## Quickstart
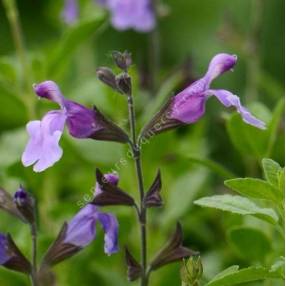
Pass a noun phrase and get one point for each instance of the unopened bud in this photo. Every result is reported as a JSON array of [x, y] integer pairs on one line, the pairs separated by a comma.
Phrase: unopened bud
[[123, 82], [106, 76], [25, 203], [122, 60]]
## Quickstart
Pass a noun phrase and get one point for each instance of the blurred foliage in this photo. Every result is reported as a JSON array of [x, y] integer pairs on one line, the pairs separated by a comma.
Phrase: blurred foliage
[[194, 160]]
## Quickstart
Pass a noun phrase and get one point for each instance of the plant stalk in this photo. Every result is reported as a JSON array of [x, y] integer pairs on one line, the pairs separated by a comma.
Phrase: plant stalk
[[16, 31], [139, 173], [34, 255]]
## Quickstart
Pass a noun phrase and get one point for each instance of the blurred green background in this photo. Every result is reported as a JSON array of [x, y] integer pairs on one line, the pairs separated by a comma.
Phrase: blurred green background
[[194, 160]]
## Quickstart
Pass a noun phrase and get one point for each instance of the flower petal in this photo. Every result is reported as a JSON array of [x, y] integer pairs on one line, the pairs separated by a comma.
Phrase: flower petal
[[4, 256], [81, 229], [81, 121], [228, 99], [219, 64], [188, 108], [132, 14], [70, 11], [43, 146], [110, 227], [111, 178], [33, 149], [49, 90]]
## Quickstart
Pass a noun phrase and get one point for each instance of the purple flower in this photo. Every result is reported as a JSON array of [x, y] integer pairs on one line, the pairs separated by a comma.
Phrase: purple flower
[[21, 197], [131, 14], [4, 251], [43, 148], [11, 257], [189, 105], [70, 11], [125, 14], [111, 178], [81, 230]]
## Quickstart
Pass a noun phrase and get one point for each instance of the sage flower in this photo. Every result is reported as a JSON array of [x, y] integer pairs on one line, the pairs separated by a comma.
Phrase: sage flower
[[131, 14], [81, 230], [125, 14], [189, 105], [43, 148]]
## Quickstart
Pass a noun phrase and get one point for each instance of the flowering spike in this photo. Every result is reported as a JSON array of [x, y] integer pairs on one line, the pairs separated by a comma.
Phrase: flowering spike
[[134, 269], [25, 203], [110, 193], [189, 105], [173, 251], [11, 257], [153, 197]]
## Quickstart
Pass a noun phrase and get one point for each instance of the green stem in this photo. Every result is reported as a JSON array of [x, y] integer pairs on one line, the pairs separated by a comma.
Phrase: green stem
[[25, 82], [34, 254], [142, 212]]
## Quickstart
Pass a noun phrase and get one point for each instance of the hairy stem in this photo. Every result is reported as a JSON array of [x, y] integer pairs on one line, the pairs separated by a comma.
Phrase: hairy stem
[[34, 254], [142, 212]]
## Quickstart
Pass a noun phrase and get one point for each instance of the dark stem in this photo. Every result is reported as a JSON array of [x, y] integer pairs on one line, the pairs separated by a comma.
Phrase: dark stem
[[142, 211], [34, 254]]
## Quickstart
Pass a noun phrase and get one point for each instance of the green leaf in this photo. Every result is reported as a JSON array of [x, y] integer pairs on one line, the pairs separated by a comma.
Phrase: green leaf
[[238, 205], [271, 171], [213, 166], [279, 266], [273, 126], [12, 145], [235, 276], [182, 193], [75, 35], [242, 237], [253, 188], [281, 181]]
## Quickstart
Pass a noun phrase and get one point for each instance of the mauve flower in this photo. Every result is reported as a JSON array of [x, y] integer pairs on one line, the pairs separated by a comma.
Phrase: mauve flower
[[11, 257], [70, 11], [4, 253], [131, 14], [125, 14], [43, 148], [81, 230], [189, 105]]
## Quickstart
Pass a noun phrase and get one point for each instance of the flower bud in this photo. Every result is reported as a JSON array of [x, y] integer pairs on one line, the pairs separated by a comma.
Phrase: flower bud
[[173, 250], [153, 197], [106, 76], [25, 203], [191, 271], [122, 60], [123, 82], [110, 194], [134, 269], [8, 205], [11, 257]]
